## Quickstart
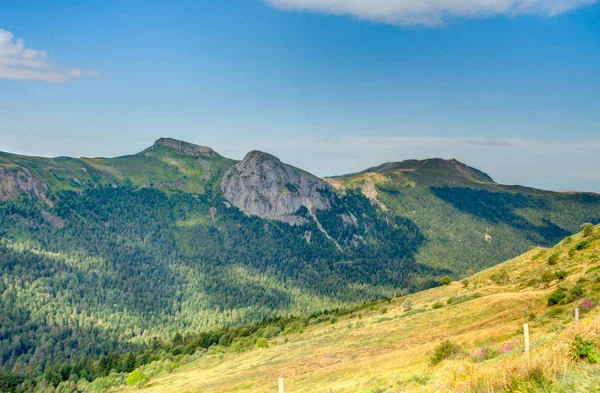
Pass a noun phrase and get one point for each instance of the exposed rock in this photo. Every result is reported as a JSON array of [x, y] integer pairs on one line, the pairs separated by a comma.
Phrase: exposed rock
[[349, 220], [307, 236], [204, 164], [185, 148], [261, 185], [56, 221], [16, 180]]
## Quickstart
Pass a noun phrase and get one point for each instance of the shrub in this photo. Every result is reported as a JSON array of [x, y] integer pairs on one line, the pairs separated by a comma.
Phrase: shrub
[[407, 305], [582, 245], [262, 343], [271, 331], [500, 278], [446, 280], [437, 305], [553, 259], [562, 274], [556, 296], [294, 327], [584, 350], [554, 312], [137, 378], [444, 351], [588, 229], [577, 291], [465, 283], [547, 277]]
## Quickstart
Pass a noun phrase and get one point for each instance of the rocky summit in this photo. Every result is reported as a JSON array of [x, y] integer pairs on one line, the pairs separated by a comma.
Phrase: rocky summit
[[261, 185], [185, 148]]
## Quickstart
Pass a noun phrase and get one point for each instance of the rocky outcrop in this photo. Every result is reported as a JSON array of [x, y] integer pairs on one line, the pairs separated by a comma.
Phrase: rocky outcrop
[[14, 180], [261, 185], [185, 148]]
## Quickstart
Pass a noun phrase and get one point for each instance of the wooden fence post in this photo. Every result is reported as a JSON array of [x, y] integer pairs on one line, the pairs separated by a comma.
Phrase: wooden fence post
[[281, 385], [576, 317], [526, 335]]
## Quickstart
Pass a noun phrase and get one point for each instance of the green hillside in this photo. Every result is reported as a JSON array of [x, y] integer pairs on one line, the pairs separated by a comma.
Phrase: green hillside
[[462, 337], [469, 221], [100, 257]]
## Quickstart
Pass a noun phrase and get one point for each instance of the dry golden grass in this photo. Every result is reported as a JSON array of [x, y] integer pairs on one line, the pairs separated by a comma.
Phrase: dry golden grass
[[389, 352]]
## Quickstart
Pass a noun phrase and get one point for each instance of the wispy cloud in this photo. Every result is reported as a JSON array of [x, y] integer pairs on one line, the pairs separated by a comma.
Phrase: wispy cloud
[[19, 62], [430, 12]]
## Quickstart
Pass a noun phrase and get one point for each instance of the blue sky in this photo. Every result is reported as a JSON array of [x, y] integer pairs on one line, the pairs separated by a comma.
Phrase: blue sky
[[333, 86]]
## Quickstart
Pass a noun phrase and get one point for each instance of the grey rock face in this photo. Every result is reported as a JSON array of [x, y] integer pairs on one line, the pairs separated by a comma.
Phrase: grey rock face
[[261, 185], [13, 181], [186, 149]]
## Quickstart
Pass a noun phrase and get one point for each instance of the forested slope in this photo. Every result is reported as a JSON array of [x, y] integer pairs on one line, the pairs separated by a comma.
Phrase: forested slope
[[100, 256]]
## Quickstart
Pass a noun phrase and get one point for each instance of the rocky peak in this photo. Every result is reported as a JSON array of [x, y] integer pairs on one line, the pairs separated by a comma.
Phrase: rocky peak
[[263, 186], [185, 148]]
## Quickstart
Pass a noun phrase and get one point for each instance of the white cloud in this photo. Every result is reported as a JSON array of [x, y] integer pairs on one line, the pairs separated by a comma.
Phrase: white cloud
[[18, 62], [429, 12], [79, 72]]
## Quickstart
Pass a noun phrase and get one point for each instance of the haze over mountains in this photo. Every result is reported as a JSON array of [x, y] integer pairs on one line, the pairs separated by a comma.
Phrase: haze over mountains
[[101, 255]]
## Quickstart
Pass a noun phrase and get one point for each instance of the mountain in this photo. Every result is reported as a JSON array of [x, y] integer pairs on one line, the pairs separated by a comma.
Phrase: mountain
[[261, 185], [101, 256], [432, 166]]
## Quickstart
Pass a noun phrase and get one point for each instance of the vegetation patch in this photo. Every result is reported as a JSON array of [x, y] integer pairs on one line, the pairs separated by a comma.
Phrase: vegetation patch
[[463, 298], [584, 350], [445, 350]]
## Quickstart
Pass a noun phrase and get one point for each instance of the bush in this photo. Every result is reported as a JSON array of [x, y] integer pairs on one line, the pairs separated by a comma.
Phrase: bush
[[584, 350], [582, 245], [547, 277], [553, 259], [137, 378], [556, 296], [437, 305], [262, 343], [408, 304], [465, 283], [446, 280], [588, 229], [562, 274], [500, 278], [444, 351]]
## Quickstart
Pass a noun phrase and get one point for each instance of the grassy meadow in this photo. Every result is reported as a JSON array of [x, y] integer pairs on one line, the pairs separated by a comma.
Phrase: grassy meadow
[[388, 346]]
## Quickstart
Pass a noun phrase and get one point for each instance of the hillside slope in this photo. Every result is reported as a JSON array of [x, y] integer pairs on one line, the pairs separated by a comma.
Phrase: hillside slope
[[469, 221], [387, 346], [101, 256]]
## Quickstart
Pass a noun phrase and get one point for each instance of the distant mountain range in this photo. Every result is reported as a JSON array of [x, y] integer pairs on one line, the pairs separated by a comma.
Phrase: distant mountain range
[[102, 254]]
